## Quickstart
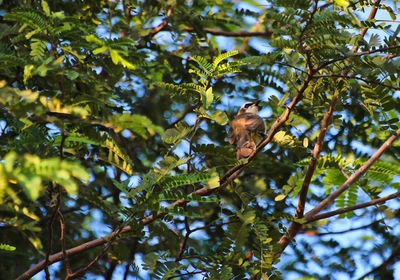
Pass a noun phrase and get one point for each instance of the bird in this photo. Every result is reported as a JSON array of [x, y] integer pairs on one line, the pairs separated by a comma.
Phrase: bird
[[246, 130]]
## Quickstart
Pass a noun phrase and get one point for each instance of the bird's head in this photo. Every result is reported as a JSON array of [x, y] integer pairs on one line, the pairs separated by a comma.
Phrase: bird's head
[[249, 107]]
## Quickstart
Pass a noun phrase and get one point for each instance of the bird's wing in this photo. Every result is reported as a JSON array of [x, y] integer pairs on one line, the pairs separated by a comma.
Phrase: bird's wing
[[254, 123], [231, 135], [238, 132]]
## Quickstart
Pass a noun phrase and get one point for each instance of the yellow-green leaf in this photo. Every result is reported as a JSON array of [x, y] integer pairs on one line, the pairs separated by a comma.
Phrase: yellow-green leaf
[[214, 181], [280, 197], [305, 142], [45, 8], [100, 50], [341, 3], [207, 97]]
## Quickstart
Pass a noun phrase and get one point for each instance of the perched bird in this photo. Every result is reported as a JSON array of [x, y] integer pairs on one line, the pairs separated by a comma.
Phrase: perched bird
[[246, 130]]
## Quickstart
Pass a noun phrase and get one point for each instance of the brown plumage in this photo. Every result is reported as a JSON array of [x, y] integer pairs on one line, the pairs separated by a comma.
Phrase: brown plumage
[[246, 130]]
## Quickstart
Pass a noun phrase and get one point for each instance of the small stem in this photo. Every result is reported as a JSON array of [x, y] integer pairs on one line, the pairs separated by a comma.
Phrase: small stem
[[63, 246]]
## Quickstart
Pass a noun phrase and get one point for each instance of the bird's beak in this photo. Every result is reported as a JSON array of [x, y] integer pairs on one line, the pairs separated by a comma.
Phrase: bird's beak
[[257, 102]]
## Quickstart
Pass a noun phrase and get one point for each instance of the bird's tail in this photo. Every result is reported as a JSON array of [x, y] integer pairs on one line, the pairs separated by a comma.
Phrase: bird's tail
[[245, 150]]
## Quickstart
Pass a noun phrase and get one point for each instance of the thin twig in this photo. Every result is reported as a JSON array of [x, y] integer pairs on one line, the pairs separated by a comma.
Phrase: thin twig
[[110, 12], [101, 254], [311, 218], [130, 261], [184, 274], [50, 241], [53, 216], [355, 78], [162, 25], [384, 49], [355, 176], [128, 15], [233, 34], [308, 23], [183, 243], [187, 111], [255, 28], [347, 230], [63, 246], [388, 261], [215, 225], [110, 271]]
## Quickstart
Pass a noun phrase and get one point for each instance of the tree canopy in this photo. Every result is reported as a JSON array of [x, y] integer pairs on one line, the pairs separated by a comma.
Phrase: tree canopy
[[114, 158]]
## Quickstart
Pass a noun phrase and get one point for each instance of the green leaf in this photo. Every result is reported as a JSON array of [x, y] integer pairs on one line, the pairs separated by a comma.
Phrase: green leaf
[[7, 247], [173, 135], [207, 97], [118, 59], [94, 39], [223, 56], [30, 171], [219, 117], [169, 182], [72, 75], [138, 124], [100, 50], [31, 184], [115, 57], [45, 8], [28, 72], [207, 66]]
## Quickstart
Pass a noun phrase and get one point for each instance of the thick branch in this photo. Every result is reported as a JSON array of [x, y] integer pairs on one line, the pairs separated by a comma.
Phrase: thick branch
[[314, 158]]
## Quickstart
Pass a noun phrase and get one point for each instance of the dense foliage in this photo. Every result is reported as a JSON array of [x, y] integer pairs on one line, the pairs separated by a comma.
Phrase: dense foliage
[[114, 153]]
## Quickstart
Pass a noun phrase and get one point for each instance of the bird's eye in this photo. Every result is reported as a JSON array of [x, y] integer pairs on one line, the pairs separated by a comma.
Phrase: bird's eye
[[248, 105]]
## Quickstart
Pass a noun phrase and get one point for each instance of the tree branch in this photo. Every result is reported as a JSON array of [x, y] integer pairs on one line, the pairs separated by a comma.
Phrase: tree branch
[[352, 208], [184, 274], [233, 34], [385, 263], [314, 158], [384, 49], [79, 272], [355, 176], [162, 25], [313, 233], [235, 171], [352, 76], [63, 247], [293, 230], [294, 227], [228, 177]]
